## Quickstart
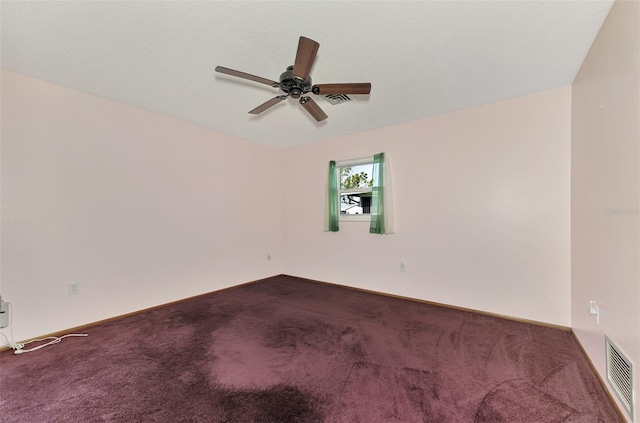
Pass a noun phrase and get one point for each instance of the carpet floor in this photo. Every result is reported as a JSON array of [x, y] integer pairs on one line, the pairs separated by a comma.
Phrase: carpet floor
[[288, 350]]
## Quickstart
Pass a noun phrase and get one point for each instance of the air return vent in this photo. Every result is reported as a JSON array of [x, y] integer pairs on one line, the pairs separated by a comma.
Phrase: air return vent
[[620, 375], [337, 98]]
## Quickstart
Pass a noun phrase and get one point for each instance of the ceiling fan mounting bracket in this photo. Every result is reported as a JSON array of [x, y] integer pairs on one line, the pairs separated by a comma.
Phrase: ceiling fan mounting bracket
[[293, 85]]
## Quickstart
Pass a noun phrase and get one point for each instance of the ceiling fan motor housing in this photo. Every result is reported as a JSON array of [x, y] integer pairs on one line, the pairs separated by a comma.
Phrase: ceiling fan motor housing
[[293, 85]]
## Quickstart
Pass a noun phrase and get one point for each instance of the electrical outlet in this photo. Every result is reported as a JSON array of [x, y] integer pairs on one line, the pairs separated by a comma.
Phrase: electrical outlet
[[4, 314], [74, 288], [403, 266]]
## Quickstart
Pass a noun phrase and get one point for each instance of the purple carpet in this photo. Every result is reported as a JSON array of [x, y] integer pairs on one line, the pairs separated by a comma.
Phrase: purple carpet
[[288, 350]]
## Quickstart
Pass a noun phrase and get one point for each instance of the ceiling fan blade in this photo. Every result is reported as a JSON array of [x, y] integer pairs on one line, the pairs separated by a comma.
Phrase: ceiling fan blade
[[306, 55], [356, 88], [247, 76], [267, 104], [313, 108]]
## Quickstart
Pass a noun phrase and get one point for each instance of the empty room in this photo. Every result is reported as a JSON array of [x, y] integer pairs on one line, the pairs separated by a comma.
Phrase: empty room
[[320, 211]]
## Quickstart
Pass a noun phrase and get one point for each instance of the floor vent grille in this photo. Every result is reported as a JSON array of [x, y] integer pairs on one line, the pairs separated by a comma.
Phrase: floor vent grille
[[337, 98], [620, 375]]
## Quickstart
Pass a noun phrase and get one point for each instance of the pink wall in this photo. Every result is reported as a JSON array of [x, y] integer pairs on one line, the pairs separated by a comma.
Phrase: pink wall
[[606, 188], [482, 205], [138, 208]]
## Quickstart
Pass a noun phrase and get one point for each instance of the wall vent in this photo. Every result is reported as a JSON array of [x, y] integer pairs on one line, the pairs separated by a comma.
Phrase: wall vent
[[337, 98], [620, 375]]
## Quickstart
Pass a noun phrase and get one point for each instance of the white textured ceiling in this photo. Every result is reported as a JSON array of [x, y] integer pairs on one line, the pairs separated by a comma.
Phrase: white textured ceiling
[[423, 58]]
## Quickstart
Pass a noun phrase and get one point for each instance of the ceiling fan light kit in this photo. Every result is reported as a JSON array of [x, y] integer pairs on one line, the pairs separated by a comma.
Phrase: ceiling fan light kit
[[295, 82]]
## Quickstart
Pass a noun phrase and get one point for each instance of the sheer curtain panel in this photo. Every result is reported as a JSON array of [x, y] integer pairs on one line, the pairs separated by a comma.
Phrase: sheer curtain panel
[[332, 207], [382, 221]]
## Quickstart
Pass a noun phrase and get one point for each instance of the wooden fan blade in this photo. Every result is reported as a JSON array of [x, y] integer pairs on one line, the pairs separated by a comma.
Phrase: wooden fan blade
[[356, 88], [247, 76], [267, 104], [313, 108], [306, 55]]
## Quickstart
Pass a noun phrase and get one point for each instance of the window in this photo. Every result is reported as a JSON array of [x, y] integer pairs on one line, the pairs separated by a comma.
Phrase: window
[[359, 190], [356, 182]]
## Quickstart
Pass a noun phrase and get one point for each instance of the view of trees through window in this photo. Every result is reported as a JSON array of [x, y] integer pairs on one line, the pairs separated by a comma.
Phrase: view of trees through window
[[355, 189], [350, 179]]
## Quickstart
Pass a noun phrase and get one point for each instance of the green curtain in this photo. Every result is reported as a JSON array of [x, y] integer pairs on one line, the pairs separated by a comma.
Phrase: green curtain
[[377, 197], [333, 205]]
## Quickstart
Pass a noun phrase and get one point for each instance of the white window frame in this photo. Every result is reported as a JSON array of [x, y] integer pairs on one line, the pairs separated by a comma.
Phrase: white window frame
[[351, 163]]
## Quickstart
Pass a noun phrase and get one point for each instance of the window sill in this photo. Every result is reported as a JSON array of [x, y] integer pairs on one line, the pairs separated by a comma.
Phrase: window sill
[[355, 218]]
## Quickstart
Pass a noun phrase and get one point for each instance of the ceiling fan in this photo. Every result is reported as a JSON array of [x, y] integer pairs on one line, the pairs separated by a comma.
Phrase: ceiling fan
[[295, 82]]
